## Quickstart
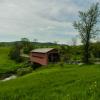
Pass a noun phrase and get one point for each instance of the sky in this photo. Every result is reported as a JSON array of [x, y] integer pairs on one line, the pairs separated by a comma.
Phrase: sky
[[44, 20]]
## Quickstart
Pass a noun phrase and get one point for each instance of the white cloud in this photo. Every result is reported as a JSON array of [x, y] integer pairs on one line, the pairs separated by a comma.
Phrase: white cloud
[[46, 20]]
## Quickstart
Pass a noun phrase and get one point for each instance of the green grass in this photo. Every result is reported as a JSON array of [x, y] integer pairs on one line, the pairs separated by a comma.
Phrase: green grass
[[70, 82], [5, 63]]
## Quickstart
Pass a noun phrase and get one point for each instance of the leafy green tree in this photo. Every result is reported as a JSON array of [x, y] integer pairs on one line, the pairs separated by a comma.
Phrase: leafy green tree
[[14, 53], [25, 41], [87, 28], [65, 53], [96, 49], [27, 46]]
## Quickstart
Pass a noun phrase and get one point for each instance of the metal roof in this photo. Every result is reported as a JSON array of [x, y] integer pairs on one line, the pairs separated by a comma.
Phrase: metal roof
[[42, 50]]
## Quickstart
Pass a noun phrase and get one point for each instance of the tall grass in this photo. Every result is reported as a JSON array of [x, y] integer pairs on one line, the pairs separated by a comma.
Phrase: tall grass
[[5, 63], [70, 82]]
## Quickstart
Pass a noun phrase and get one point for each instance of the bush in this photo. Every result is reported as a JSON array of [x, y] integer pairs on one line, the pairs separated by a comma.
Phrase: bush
[[23, 71]]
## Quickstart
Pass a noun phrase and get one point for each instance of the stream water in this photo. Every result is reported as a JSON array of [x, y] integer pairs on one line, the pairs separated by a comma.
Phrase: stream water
[[9, 78]]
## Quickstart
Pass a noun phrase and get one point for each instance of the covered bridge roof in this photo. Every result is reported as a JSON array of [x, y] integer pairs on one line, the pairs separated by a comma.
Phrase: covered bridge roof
[[42, 50]]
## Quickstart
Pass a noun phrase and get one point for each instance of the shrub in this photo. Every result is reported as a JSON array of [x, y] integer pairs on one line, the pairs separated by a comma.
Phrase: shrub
[[23, 71]]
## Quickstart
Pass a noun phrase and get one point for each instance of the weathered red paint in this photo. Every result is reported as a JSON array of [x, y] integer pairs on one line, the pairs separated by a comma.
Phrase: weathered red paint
[[41, 58]]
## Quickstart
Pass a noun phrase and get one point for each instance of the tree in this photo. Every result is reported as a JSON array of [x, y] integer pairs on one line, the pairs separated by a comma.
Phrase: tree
[[24, 42], [65, 52], [87, 27], [35, 41], [14, 53], [96, 49], [27, 46]]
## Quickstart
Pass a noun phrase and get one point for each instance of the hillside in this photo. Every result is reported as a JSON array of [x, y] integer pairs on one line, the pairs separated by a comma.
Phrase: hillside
[[5, 63], [68, 82], [37, 44]]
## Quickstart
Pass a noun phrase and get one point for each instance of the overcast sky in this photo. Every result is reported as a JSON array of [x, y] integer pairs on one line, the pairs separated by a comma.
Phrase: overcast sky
[[45, 20]]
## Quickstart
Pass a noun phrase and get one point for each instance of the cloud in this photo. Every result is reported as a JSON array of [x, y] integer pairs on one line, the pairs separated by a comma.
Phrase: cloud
[[46, 20], [59, 10]]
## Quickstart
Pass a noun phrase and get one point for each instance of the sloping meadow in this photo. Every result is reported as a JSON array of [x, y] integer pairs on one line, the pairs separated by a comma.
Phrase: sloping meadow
[[70, 82]]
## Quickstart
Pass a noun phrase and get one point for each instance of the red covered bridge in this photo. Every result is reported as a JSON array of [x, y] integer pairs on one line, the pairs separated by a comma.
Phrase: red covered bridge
[[43, 56]]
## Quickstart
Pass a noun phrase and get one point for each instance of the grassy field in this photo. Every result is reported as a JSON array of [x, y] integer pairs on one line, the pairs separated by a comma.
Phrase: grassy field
[[68, 82], [5, 63]]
